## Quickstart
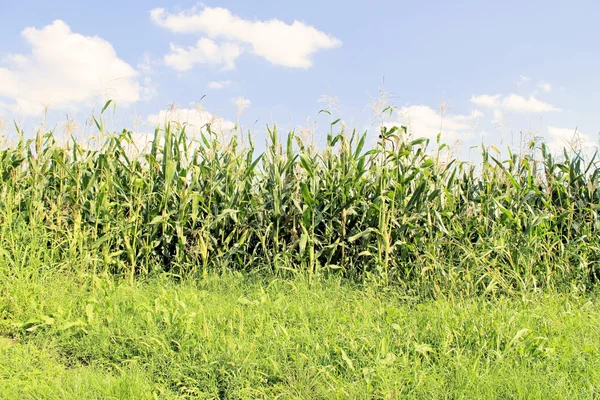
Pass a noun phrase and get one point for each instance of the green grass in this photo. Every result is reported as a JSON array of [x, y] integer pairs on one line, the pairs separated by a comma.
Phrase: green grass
[[238, 336]]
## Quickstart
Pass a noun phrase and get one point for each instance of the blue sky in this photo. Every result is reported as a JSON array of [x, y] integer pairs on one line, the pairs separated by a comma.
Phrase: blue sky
[[502, 67]]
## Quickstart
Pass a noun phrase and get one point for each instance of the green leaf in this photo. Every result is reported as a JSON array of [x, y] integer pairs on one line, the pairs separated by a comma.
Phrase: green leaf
[[360, 145], [247, 302], [303, 242], [72, 324], [427, 163], [347, 360], [159, 219], [364, 234], [423, 348], [418, 141], [105, 106], [308, 199], [98, 125], [89, 312], [306, 164]]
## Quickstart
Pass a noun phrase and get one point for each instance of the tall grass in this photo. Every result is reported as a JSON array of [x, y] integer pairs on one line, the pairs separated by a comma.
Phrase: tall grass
[[395, 213]]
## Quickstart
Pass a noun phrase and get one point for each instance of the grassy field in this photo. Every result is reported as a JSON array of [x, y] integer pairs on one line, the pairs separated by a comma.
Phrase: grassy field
[[236, 336], [201, 268]]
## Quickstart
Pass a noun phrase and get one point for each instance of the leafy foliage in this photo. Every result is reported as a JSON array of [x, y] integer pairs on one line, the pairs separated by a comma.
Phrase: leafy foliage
[[396, 212]]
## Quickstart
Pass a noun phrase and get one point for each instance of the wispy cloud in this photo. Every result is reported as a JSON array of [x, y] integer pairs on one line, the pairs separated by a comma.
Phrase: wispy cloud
[[515, 103], [219, 84], [522, 80], [545, 86]]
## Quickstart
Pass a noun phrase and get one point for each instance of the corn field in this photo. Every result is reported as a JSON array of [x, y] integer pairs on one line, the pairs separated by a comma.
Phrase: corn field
[[395, 213]]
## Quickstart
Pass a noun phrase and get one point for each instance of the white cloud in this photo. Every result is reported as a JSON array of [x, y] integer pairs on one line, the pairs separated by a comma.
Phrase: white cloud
[[194, 118], [424, 121], [486, 100], [514, 102], [545, 86], [289, 45], [570, 139], [219, 84], [206, 51], [66, 71], [517, 103]]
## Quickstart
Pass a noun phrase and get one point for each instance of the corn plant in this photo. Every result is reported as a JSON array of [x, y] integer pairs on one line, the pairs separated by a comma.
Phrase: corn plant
[[394, 212]]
